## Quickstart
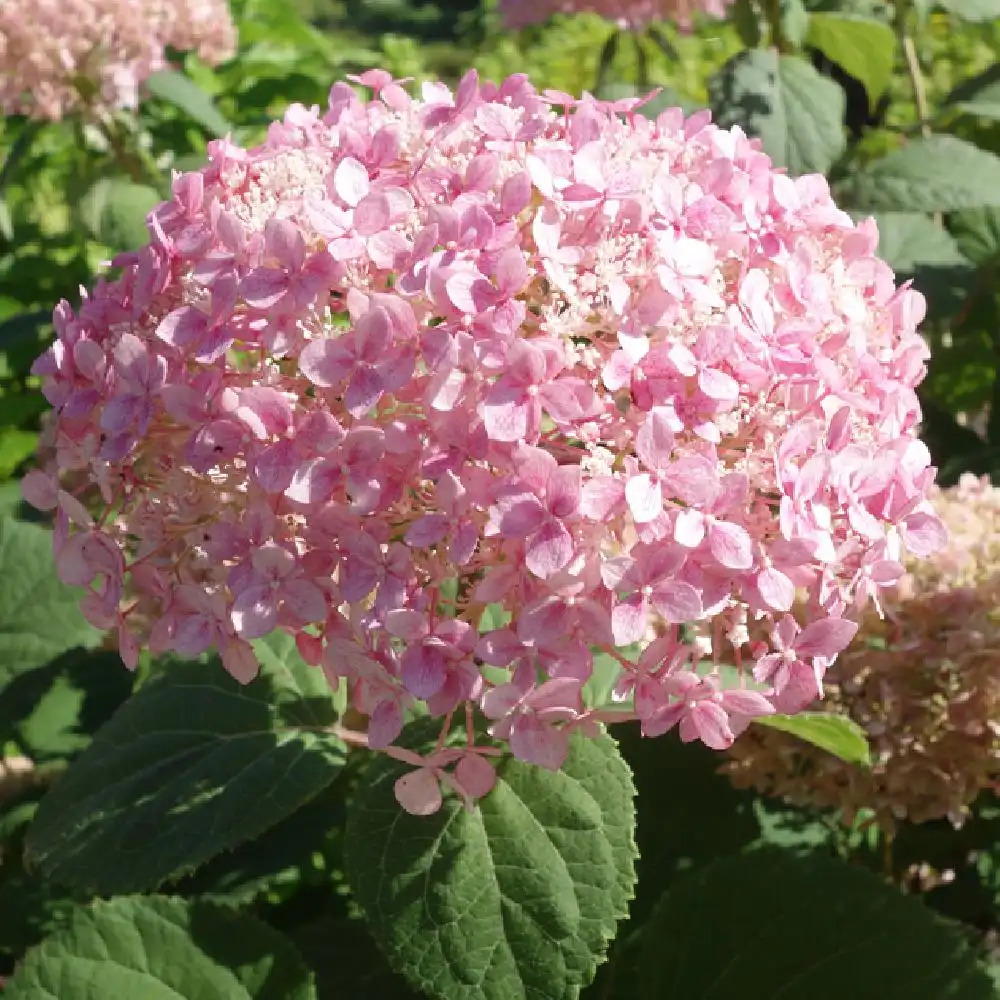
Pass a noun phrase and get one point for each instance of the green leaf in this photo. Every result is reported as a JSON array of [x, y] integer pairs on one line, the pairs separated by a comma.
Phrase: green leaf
[[972, 10], [838, 735], [516, 898], [977, 234], [182, 92], [161, 948], [794, 21], [192, 765], [54, 710], [772, 924], [114, 210], [979, 95], [13, 506], [796, 112], [16, 446], [937, 174], [747, 18], [278, 861], [910, 240], [39, 617], [860, 46]]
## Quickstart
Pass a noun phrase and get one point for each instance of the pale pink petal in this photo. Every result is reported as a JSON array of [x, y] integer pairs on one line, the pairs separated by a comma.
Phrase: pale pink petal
[[475, 775], [644, 498], [350, 180], [776, 590], [708, 722], [730, 544], [419, 792], [678, 602], [825, 638], [536, 743]]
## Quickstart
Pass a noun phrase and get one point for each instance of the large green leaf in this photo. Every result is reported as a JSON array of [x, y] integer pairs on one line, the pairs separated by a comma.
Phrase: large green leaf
[[297, 850], [835, 734], [192, 765], [517, 898], [937, 174], [861, 46], [39, 618], [162, 948], [184, 93], [797, 113], [771, 924]]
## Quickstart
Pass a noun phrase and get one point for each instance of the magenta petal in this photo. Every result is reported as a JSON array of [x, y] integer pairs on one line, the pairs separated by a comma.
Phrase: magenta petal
[[325, 362], [304, 600], [423, 672], [628, 620], [549, 549], [535, 743], [255, 612], [264, 288], [708, 722], [385, 724], [678, 602]]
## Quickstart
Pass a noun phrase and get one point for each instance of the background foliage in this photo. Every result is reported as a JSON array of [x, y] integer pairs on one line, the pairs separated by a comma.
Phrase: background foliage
[[275, 862]]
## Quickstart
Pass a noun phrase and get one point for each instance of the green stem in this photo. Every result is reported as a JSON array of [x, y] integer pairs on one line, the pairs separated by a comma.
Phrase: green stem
[[909, 49]]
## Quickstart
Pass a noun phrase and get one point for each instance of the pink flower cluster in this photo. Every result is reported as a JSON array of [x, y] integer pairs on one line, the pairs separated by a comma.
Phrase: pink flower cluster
[[57, 56], [922, 681], [630, 15], [617, 381]]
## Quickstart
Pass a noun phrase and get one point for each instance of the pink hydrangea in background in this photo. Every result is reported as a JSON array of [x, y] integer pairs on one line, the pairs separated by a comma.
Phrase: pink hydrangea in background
[[923, 682], [57, 56], [632, 15], [617, 380]]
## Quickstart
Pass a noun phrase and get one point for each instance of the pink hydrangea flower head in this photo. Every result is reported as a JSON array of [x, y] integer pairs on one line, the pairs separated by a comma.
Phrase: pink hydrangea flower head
[[631, 15], [57, 56], [618, 378]]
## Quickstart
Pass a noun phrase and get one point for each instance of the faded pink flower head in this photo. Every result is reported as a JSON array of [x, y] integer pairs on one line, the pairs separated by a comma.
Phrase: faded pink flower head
[[618, 379], [631, 15], [923, 681], [57, 56]]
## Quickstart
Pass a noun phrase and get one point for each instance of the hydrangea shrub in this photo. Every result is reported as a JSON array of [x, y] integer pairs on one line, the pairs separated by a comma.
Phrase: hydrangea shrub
[[617, 379], [59, 56]]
